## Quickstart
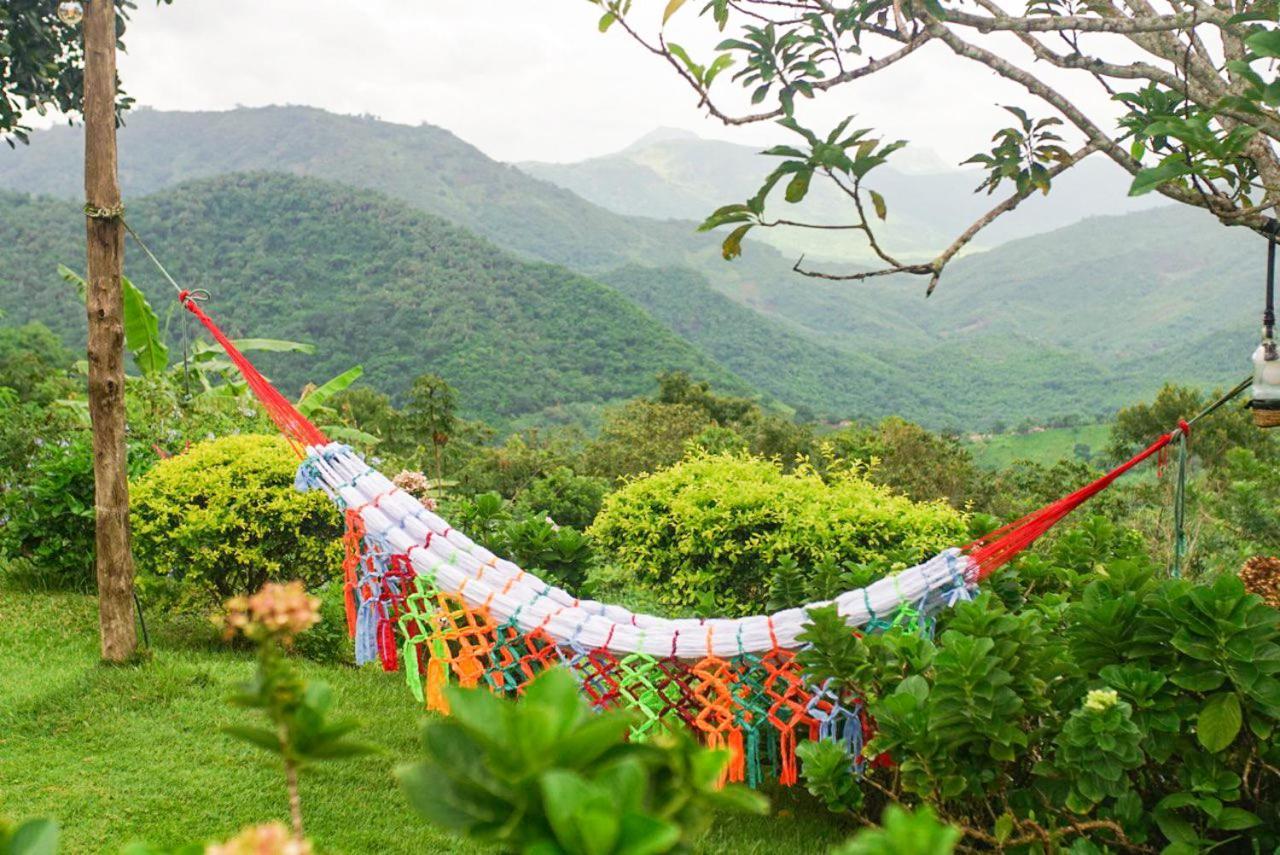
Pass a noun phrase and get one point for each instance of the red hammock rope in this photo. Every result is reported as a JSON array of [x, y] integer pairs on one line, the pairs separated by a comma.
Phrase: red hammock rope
[[998, 548], [294, 425]]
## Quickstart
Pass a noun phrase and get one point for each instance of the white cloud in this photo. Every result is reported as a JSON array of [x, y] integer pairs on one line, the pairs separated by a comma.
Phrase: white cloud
[[521, 79]]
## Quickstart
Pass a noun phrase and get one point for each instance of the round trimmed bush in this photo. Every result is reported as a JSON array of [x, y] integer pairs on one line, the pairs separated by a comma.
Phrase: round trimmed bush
[[713, 528], [223, 518]]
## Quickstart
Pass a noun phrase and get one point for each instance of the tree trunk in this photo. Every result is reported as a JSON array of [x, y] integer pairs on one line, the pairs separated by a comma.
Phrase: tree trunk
[[105, 304]]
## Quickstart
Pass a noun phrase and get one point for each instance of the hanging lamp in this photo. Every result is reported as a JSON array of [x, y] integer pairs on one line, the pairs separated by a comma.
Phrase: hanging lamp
[[1266, 359]]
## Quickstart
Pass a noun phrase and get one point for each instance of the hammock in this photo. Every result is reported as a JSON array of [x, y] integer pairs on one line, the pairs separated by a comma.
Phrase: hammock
[[425, 595]]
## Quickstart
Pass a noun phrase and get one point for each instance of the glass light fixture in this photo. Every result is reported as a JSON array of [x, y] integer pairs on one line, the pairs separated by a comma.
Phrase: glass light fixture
[[1266, 384], [70, 12]]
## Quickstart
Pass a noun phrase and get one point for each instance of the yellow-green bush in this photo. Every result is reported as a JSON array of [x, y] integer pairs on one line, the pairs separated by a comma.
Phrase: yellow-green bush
[[223, 517], [710, 530]]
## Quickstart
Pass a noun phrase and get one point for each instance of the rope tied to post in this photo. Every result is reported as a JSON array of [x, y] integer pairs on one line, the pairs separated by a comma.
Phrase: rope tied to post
[[114, 212]]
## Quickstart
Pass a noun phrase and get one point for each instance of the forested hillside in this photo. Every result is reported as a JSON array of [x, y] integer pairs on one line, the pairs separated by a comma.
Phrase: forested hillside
[[366, 280], [1075, 321], [426, 166]]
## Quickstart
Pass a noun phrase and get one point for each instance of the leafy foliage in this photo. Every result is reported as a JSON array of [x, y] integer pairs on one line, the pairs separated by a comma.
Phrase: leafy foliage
[[903, 832], [42, 65], [543, 774], [703, 533], [33, 837], [1104, 703], [49, 518], [223, 518]]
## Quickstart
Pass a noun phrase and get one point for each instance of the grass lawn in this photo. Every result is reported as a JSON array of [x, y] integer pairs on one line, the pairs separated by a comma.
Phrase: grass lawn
[[121, 754], [1047, 446]]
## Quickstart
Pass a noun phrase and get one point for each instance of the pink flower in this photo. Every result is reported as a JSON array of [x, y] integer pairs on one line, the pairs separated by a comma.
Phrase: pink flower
[[417, 485], [280, 610], [272, 838]]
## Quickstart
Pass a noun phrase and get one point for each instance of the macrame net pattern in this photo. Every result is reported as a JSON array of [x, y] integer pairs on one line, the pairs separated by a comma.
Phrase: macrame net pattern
[[426, 599]]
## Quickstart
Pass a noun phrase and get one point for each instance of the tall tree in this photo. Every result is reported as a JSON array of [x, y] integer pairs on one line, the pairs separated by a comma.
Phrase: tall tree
[[44, 64], [104, 300], [1193, 80]]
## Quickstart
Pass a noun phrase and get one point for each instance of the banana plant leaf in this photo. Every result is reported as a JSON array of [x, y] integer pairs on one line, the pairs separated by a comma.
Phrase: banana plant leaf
[[318, 397], [204, 351]]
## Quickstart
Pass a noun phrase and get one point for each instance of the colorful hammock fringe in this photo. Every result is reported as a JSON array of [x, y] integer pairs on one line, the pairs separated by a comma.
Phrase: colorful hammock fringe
[[758, 706]]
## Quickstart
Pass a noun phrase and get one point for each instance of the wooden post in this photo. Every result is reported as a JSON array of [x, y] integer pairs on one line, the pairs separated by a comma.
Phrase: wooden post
[[105, 304]]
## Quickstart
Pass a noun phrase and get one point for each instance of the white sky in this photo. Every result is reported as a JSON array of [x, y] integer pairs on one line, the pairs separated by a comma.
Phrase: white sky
[[521, 79]]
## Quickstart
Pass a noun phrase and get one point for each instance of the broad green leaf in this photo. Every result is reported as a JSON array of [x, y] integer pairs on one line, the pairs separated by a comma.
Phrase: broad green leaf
[[142, 332], [1236, 819], [798, 187], [681, 54], [719, 64], [268, 740], [646, 835], [343, 433], [606, 21], [319, 396], [1151, 178], [1219, 721], [1265, 43], [204, 350], [34, 837]]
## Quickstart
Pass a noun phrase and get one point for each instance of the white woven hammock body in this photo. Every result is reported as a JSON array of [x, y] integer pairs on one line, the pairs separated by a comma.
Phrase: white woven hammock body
[[400, 524]]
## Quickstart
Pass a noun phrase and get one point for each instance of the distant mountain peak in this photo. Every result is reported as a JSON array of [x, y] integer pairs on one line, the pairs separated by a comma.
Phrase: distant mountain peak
[[661, 135]]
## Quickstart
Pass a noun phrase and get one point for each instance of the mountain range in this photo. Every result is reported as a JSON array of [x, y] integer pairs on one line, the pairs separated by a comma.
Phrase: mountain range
[[1080, 319], [672, 174]]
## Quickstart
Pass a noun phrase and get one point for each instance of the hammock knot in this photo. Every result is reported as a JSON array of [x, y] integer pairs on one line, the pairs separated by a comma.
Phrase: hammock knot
[[113, 212]]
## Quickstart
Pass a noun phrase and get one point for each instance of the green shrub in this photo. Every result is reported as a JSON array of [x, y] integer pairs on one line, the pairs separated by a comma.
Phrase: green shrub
[[50, 519], [568, 498], [223, 518], [1113, 708], [47, 517], [707, 532], [559, 554]]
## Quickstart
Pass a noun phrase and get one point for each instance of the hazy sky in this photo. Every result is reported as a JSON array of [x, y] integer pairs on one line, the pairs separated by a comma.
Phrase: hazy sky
[[521, 79]]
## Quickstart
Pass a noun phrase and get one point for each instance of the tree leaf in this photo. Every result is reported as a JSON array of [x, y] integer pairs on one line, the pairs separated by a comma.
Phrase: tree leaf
[[268, 740], [882, 211], [1236, 819], [798, 187], [1264, 43], [244, 345], [1219, 721], [732, 246], [1151, 178], [672, 7]]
